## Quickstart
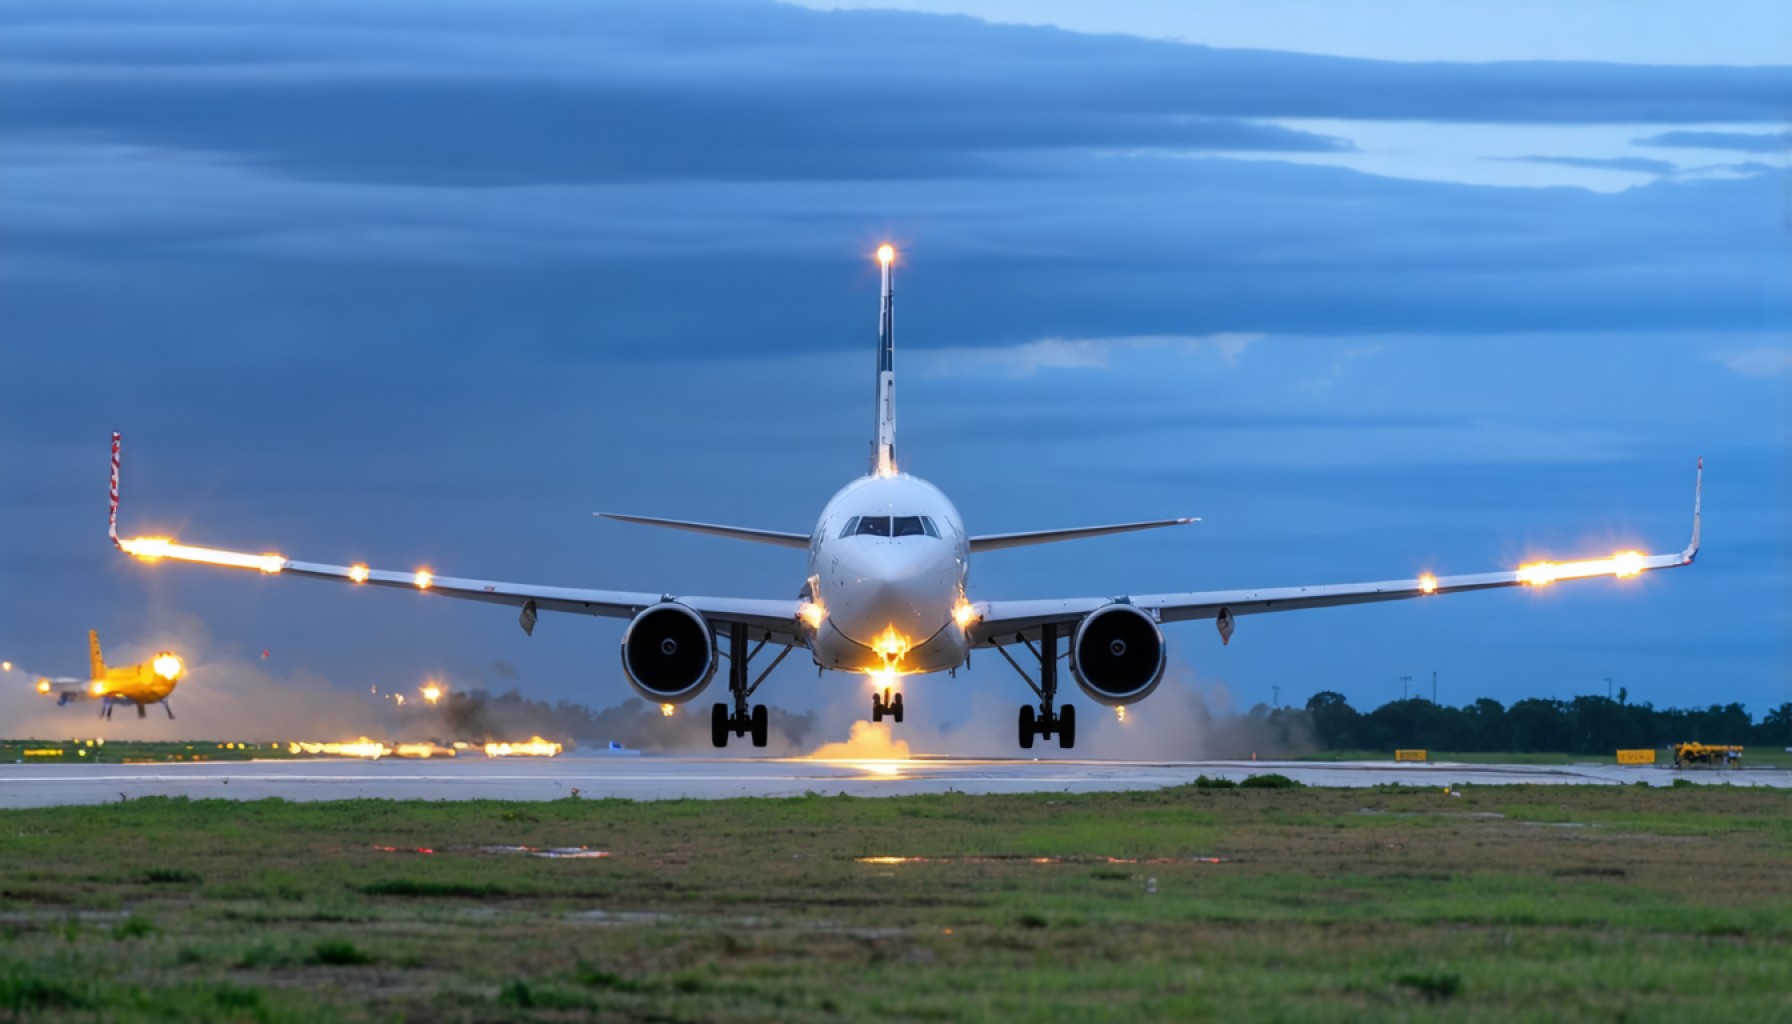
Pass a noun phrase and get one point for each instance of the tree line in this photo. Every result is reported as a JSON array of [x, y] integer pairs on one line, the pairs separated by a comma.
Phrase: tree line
[[1584, 725]]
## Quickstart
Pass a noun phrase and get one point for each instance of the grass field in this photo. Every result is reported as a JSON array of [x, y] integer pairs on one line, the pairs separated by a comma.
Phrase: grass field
[[1510, 903]]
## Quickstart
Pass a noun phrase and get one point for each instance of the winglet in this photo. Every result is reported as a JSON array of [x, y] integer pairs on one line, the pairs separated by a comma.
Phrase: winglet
[[112, 518], [1698, 487]]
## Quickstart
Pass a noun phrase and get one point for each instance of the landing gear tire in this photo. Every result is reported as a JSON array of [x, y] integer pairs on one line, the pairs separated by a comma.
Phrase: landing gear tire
[[761, 725], [877, 708], [1066, 726], [896, 709], [719, 723], [1027, 727]]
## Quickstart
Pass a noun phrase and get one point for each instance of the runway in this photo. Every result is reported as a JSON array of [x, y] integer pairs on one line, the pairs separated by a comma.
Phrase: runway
[[671, 778]]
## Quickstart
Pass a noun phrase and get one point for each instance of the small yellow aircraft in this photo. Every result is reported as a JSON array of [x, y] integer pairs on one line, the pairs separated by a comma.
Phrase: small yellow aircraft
[[142, 684]]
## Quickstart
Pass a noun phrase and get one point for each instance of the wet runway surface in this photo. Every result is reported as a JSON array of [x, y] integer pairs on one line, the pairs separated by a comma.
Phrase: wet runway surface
[[668, 777]]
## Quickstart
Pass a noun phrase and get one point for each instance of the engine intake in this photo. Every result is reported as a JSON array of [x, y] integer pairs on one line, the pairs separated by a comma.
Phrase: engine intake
[[668, 653], [1117, 654]]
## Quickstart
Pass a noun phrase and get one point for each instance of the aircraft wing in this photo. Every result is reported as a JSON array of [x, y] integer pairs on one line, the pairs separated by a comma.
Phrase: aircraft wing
[[774, 616], [1005, 622], [63, 686], [777, 617]]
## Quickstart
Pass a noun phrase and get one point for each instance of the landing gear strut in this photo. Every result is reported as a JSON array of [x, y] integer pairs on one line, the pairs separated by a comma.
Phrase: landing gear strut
[[1043, 721], [886, 705], [742, 718]]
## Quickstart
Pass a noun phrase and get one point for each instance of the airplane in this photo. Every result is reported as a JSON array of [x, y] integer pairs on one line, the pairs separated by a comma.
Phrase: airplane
[[885, 596], [142, 684]]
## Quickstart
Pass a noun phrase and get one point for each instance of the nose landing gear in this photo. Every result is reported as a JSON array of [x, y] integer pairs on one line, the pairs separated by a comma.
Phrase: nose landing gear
[[1044, 721], [885, 704], [743, 718]]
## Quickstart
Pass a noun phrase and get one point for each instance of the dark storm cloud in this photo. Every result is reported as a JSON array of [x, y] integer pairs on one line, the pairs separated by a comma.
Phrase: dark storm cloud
[[1742, 142], [476, 93]]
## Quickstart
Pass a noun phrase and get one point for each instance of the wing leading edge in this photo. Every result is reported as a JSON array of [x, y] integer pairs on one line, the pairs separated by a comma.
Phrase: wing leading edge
[[1003, 622]]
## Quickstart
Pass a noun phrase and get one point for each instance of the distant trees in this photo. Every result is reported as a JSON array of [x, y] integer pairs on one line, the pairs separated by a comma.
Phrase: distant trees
[[1584, 725]]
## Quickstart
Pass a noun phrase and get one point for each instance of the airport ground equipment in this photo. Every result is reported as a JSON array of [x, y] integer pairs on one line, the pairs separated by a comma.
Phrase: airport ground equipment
[[1716, 755]]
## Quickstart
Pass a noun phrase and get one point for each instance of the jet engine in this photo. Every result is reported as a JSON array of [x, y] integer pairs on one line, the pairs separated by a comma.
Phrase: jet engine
[[1117, 654], [668, 653]]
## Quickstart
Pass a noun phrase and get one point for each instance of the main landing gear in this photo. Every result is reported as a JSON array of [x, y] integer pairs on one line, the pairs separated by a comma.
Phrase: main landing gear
[[885, 705], [142, 710], [743, 718], [1043, 722]]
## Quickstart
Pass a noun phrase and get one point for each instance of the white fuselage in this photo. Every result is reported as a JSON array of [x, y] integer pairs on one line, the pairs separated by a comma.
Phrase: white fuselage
[[887, 565]]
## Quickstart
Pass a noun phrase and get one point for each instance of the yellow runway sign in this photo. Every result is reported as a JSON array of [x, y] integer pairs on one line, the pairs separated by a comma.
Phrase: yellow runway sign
[[1411, 755], [1636, 756]]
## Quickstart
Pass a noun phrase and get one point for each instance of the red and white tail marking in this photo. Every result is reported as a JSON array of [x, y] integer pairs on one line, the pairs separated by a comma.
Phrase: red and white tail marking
[[112, 518]]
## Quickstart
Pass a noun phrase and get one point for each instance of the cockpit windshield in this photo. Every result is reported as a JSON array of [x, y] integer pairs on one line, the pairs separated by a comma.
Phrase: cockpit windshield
[[890, 526]]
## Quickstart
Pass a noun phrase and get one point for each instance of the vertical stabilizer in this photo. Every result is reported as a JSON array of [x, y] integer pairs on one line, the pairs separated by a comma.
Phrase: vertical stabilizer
[[883, 445], [93, 652]]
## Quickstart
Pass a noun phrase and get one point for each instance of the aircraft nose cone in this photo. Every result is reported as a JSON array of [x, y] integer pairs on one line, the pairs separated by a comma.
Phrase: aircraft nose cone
[[892, 587]]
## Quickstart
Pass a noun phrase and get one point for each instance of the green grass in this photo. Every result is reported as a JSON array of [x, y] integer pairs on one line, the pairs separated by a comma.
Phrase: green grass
[[1506, 903]]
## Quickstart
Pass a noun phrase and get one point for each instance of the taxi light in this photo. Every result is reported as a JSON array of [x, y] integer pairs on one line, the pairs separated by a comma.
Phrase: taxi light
[[1428, 584], [358, 573], [964, 613], [424, 578], [167, 666], [891, 646]]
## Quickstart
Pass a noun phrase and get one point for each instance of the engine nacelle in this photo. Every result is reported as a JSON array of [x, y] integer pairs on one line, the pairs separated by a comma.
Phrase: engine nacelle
[[668, 654], [1117, 654]]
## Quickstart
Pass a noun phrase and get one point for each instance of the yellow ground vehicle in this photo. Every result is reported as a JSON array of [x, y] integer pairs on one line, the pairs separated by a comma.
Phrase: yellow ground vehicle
[[1716, 755], [142, 684]]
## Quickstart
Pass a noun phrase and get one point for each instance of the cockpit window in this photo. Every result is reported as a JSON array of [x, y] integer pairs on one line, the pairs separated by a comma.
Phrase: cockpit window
[[890, 526]]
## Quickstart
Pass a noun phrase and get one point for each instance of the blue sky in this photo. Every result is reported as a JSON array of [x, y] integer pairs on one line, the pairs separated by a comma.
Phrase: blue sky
[[1372, 294]]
